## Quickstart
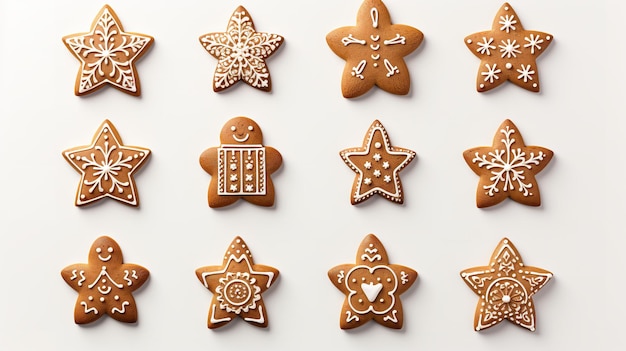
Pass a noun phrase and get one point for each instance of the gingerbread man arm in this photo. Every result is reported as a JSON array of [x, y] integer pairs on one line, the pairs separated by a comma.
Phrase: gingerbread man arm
[[208, 160], [274, 159], [74, 275]]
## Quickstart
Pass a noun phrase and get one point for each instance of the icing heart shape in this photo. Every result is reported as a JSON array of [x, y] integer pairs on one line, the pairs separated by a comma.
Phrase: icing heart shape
[[371, 290]]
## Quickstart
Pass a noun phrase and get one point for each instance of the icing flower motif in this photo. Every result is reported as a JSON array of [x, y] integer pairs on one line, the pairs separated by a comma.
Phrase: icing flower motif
[[241, 52], [507, 168], [374, 51], [518, 50], [237, 286], [107, 167], [505, 288], [372, 287], [105, 284], [107, 55]]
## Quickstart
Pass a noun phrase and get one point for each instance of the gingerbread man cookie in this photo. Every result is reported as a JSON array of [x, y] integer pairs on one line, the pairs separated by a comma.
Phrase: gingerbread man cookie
[[107, 55], [374, 51], [241, 52], [105, 284], [237, 286], [508, 52], [372, 287], [241, 166], [507, 168], [505, 287], [377, 164], [106, 167]]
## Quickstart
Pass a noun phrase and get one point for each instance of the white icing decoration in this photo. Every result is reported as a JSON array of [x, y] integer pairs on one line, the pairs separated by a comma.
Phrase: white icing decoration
[[404, 277], [259, 320], [352, 40], [107, 169], [509, 48], [507, 22], [371, 290], [340, 276], [123, 310], [213, 320], [374, 47], [491, 73], [105, 274], [398, 39], [533, 43], [87, 310], [241, 140], [391, 317], [133, 275], [350, 317], [375, 37], [374, 15], [250, 155], [525, 73], [485, 46], [391, 69], [376, 257], [370, 308], [358, 70]]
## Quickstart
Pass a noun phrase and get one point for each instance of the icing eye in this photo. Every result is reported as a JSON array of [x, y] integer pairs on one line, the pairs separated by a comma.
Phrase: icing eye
[[250, 128], [110, 249], [233, 128], [98, 250]]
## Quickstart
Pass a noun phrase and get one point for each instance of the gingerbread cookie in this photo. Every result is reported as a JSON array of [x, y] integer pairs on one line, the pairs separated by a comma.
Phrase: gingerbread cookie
[[237, 286], [505, 287], [377, 164], [241, 166], [107, 55], [105, 283], [241, 52], [372, 286], [507, 168], [508, 52], [107, 167], [374, 51]]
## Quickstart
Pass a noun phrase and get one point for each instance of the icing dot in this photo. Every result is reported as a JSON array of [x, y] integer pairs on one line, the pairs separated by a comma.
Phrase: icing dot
[[548, 37], [363, 279], [232, 246], [135, 156], [104, 281], [250, 128], [378, 279], [116, 297], [90, 298], [377, 145], [105, 130], [506, 8], [381, 300], [534, 85], [233, 128], [360, 300], [238, 241], [508, 65], [141, 154], [129, 197], [354, 280], [469, 41], [82, 196], [506, 299], [375, 64], [102, 299], [106, 137], [388, 280], [110, 249], [72, 156], [98, 250], [482, 86]]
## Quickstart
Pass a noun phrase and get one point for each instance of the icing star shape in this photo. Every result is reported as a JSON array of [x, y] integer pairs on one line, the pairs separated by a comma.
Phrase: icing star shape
[[374, 51], [107, 55], [107, 167], [237, 286], [377, 165], [508, 52], [507, 168], [372, 287], [105, 284], [505, 288], [241, 52]]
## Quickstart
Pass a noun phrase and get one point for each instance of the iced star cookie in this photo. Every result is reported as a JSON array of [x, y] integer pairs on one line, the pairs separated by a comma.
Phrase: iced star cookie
[[107, 55], [105, 283], [508, 52], [241, 52], [372, 286], [107, 167], [374, 51], [377, 164], [507, 168], [237, 286], [505, 288], [241, 166]]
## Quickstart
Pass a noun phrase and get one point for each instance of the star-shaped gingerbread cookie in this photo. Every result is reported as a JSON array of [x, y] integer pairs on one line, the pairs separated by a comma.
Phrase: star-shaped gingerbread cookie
[[508, 52], [505, 287], [372, 286], [374, 51], [237, 286], [105, 284], [107, 55], [107, 167], [507, 168], [377, 164], [241, 52], [241, 166]]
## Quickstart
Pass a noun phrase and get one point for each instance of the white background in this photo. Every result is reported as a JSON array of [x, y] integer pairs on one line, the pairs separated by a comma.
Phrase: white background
[[313, 227]]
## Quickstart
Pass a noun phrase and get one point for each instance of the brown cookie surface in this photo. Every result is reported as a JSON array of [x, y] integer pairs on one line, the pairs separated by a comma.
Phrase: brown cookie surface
[[508, 52], [241, 52], [107, 167], [377, 165], [505, 288], [372, 287], [374, 51], [507, 168], [241, 166], [105, 284], [107, 54], [237, 286]]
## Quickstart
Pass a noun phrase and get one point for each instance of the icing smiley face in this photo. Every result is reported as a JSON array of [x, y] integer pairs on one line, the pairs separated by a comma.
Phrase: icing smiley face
[[241, 130]]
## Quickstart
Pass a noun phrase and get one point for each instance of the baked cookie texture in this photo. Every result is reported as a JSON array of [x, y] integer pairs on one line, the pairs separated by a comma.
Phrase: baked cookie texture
[[507, 168], [241, 166], [241, 52], [374, 51], [237, 286], [372, 287], [377, 165], [508, 52], [107, 167], [505, 287], [105, 283], [107, 55]]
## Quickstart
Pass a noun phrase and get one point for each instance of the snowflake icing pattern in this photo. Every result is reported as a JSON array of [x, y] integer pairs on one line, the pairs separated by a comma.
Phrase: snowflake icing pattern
[[107, 169]]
